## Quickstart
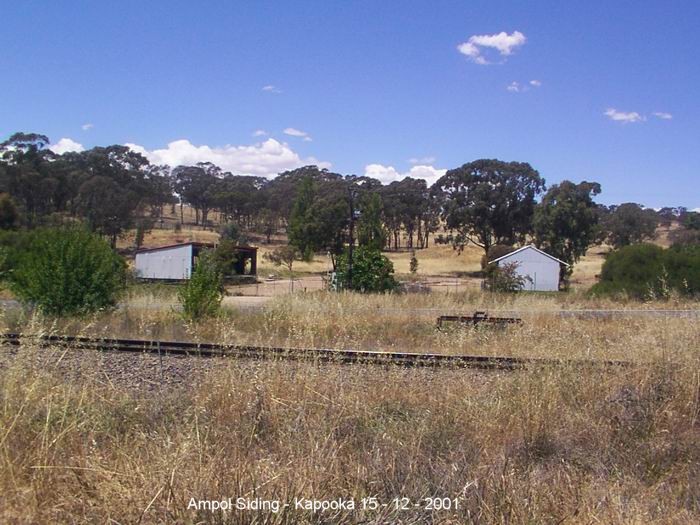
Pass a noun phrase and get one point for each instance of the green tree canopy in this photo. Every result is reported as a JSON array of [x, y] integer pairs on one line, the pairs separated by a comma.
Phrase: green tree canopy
[[302, 223], [566, 220], [319, 217], [627, 224], [370, 228], [489, 202]]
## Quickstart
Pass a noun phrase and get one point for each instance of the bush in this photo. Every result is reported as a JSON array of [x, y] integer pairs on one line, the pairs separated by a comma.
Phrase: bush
[[371, 271], [12, 244], [3, 262], [505, 278], [283, 256], [224, 255], [413, 263], [9, 216], [683, 266], [645, 270], [201, 296], [143, 226], [66, 271]]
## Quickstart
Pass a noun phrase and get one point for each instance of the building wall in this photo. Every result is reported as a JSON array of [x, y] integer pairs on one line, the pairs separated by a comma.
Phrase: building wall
[[543, 271], [168, 263]]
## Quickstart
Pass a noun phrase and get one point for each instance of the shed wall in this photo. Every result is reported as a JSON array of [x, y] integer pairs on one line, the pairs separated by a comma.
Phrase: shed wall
[[168, 263], [543, 271]]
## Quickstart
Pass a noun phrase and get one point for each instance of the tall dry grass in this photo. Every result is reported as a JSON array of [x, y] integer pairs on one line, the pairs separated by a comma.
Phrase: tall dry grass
[[84, 441], [401, 323], [545, 446]]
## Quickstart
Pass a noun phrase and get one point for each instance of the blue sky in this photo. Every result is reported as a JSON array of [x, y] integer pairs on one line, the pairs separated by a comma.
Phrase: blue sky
[[370, 87]]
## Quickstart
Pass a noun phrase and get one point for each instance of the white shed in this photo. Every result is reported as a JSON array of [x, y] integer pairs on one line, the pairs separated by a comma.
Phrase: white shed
[[174, 262], [540, 269]]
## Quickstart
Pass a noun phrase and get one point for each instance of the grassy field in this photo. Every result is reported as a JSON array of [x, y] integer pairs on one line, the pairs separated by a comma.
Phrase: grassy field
[[566, 445], [436, 260], [397, 323], [89, 437]]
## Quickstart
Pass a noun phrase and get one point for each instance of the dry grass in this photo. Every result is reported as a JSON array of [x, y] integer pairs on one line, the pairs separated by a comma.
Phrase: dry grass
[[402, 323], [436, 261], [80, 444], [532, 447]]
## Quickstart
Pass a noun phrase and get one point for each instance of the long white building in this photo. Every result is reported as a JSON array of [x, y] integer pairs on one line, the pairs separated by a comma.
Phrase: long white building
[[172, 263]]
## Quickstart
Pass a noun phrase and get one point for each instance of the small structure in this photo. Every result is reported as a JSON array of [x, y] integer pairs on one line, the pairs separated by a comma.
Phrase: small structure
[[176, 262], [540, 270], [246, 260], [478, 318]]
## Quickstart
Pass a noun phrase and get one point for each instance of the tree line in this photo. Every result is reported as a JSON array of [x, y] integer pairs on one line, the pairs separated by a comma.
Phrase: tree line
[[488, 202]]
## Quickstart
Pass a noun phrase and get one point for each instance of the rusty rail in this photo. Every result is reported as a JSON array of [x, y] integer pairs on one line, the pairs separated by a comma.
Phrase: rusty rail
[[364, 357]]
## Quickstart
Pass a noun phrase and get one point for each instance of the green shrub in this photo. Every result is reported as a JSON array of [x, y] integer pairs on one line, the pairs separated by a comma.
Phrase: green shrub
[[3, 262], [201, 296], [683, 266], [413, 263], [9, 216], [143, 226], [644, 270], [224, 255], [66, 271], [505, 278], [371, 271]]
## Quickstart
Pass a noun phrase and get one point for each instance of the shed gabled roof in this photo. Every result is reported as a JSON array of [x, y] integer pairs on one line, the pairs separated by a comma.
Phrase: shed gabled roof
[[197, 245], [529, 246], [179, 245]]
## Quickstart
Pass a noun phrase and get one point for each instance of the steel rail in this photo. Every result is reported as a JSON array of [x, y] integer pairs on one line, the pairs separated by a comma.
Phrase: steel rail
[[328, 355]]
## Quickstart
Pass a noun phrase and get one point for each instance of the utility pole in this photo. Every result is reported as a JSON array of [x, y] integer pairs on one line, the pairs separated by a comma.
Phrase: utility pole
[[352, 193]]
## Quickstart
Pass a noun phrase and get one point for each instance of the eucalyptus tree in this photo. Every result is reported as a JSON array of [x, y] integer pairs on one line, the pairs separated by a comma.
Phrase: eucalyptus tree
[[489, 202]]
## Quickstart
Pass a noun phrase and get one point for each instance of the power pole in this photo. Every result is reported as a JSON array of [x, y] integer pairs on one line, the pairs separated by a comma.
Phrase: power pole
[[352, 194]]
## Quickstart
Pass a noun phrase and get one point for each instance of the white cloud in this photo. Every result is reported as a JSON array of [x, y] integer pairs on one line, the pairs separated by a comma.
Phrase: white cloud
[[504, 43], [621, 116], [87, 126], [663, 115], [387, 174], [259, 133], [271, 89], [293, 132], [267, 158], [64, 145], [421, 160], [517, 87], [514, 87]]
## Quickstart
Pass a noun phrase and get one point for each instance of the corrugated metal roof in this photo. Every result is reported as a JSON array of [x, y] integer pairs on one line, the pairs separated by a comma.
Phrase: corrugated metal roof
[[196, 244], [168, 246]]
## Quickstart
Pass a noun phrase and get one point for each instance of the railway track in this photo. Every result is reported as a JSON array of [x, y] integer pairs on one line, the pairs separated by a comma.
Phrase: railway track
[[326, 355]]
